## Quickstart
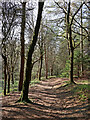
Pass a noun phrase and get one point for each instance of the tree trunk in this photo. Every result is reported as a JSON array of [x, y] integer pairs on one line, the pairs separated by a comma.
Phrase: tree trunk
[[29, 66], [81, 44], [5, 72], [24, 94], [71, 65], [51, 71], [46, 62], [8, 82], [41, 57], [78, 71], [41, 62], [69, 27], [12, 75], [22, 46]]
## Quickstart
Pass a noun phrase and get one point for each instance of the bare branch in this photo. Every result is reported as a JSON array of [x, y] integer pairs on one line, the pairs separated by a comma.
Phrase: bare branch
[[61, 7], [87, 6], [38, 59], [79, 33], [76, 12], [81, 26], [78, 44]]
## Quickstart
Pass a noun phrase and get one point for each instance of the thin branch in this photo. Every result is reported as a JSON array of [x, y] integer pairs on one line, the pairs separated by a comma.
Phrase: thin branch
[[79, 33], [78, 43], [81, 26], [87, 6], [76, 12], [37, 59], [61, 7]]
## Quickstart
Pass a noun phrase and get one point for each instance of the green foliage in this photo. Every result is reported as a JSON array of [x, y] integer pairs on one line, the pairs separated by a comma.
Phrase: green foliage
[[81, 91], [52, 76], [77, 56], [78, 59], [33, 82], [65, 72]]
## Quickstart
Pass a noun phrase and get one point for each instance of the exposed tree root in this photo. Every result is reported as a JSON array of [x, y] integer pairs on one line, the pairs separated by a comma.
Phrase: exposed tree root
[[24, 101], [73, 83]]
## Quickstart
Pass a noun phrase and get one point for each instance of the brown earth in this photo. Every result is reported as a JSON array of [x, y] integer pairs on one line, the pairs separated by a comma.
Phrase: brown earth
[[52, 101]]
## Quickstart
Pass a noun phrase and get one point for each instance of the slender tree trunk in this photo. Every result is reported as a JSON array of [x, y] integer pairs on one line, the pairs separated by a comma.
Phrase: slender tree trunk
[[5, 79], [8, 82], [8, 77], [71, 55], [67, 33], [69, 27], [41, 54], [78, 71], [12, 76], [71, 66], [51, 63], [29, 66], [81, 44], [46, 62], [51, 71], [24, 94], [41, 62], [5, 72], [22, 46]]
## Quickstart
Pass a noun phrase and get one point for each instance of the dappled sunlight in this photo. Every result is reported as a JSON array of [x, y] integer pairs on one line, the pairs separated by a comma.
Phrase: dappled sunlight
[[48, 103]]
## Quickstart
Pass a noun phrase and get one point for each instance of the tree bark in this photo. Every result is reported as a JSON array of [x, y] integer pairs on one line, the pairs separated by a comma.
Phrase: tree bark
[[5, 72], [41, 61], [8, 82], [46, 62], [41, 52], [81, 44], [29, 65], [71, 55], [69, 27], [5, 79], [22, 46]]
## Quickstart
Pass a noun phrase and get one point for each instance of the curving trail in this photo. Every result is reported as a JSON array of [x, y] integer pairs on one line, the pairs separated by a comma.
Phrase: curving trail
[[52, 101]]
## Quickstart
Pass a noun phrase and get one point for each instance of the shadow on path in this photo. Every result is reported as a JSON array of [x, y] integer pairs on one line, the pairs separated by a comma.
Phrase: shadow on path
[[48, 104]]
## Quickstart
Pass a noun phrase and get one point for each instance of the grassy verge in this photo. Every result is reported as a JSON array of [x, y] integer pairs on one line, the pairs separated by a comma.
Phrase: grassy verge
[[33, 82], [81, 91]]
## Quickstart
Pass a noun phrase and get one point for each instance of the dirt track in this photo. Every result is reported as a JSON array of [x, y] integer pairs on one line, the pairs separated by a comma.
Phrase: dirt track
[[51, 103]]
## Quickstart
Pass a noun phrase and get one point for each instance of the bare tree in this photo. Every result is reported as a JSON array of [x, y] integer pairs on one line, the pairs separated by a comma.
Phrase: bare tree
[[22, 46], [29, 65], [7, 24]]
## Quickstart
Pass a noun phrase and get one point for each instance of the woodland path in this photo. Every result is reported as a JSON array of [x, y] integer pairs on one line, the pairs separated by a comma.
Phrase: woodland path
[[52, 102]]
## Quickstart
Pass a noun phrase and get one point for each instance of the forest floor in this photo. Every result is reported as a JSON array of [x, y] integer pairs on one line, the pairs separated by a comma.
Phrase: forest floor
[[53, 101]]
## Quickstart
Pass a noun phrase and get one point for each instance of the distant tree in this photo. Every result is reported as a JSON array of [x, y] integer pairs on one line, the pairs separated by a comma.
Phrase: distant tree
[[71, 45], [41, 42], [8, 18], [81, 41], [70, 22]]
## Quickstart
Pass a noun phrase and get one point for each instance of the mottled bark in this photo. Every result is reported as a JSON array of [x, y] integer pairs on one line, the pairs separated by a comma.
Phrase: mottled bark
[[69, 27], [5, 72], [29, 65], [71, 55], [22, 46], [12, 76], [41, 62], [8, 82], [81, 44], [46, 61]]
